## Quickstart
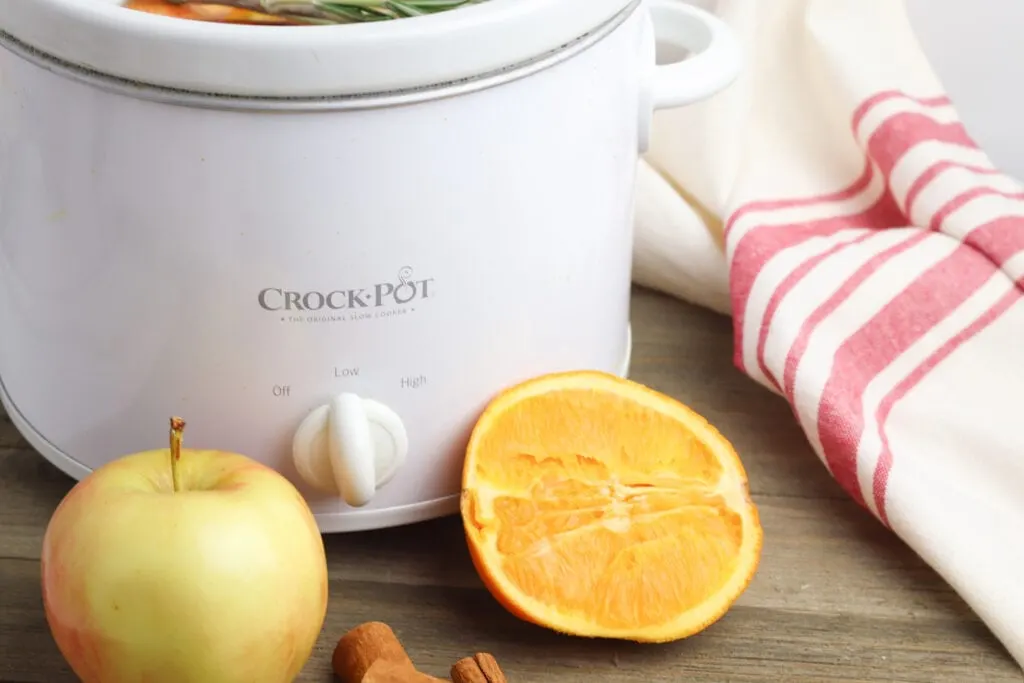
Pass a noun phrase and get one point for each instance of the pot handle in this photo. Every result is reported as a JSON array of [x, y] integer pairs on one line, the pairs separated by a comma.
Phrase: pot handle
[[714, 62]]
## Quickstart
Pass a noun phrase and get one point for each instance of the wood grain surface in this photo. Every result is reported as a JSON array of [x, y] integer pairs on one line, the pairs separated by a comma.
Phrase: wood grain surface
[[837, 597]]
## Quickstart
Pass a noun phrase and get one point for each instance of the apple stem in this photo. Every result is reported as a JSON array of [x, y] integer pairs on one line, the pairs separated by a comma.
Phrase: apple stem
[[177, 427]]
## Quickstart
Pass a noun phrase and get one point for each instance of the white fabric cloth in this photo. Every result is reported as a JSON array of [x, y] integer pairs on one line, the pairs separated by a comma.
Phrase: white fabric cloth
[[871, 258]]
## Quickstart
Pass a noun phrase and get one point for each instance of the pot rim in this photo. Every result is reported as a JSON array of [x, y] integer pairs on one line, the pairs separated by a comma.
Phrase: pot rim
[[301, 61], [222, 102]]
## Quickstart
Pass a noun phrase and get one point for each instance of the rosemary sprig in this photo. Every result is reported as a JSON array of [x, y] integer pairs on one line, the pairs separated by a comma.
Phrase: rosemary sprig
[[339, 12]]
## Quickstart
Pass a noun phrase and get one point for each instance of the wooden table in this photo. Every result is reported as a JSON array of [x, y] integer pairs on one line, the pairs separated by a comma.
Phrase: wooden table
[[837, 598]]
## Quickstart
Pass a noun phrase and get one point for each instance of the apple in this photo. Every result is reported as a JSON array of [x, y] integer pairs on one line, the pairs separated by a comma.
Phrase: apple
[[184, 566]]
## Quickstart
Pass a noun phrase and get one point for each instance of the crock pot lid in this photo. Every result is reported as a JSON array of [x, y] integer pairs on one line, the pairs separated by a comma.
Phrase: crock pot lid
[[301, 61]]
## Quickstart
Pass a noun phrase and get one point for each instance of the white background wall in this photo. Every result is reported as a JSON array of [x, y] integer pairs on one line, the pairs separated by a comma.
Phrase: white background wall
[[977, 49]]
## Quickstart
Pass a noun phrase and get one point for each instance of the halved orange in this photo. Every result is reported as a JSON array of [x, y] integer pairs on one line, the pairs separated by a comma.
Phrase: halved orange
[[598, 507]]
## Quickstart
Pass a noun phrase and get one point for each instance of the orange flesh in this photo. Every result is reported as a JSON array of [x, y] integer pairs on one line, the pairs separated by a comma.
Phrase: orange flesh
[[593, 509]]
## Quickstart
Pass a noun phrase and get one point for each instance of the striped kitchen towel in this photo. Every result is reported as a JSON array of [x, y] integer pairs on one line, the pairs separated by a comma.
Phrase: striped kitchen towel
[[871, 258]]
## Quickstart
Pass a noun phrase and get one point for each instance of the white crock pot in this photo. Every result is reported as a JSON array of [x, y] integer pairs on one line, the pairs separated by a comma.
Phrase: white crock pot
[[325, 247]]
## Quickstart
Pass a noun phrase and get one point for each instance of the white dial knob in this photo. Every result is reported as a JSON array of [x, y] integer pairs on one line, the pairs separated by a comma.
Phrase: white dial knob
[[350, 447]]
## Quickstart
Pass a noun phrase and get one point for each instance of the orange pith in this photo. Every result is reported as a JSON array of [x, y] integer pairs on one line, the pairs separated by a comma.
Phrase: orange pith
[[598, 507]]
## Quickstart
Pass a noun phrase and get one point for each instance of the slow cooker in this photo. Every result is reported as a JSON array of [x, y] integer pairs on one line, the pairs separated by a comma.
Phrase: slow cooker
[[326, 247]]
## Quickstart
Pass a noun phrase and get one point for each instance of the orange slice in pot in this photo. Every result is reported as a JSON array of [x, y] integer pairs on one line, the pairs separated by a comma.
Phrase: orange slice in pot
[[212, 12], [598, 507]]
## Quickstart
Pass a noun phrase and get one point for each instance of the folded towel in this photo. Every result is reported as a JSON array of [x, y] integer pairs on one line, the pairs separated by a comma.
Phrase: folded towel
[[871, 257]]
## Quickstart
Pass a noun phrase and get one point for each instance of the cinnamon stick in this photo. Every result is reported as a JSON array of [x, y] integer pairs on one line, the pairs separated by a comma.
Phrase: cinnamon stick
[[372, 653], [384, 671], [480, 668], [363, 646]]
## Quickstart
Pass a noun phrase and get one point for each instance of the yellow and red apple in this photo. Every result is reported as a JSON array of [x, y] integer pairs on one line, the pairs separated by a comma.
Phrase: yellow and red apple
[[184, 566]]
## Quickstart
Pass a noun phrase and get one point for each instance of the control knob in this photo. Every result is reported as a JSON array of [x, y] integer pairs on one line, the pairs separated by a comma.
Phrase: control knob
[[350, 447]]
